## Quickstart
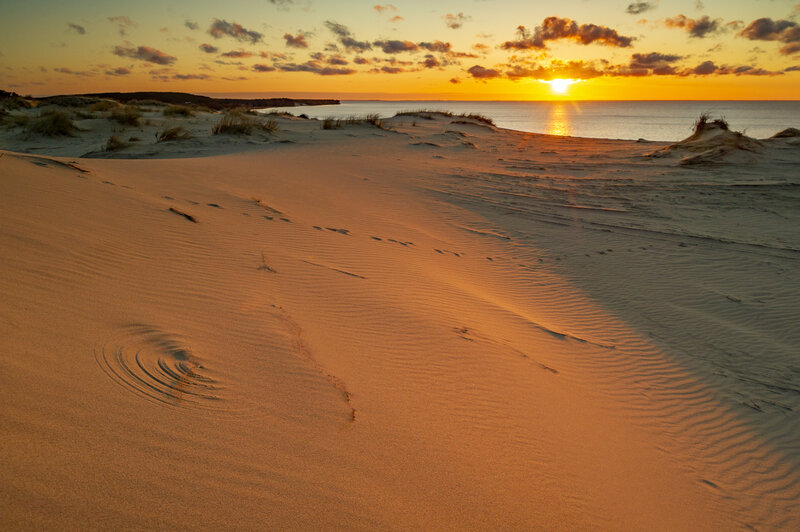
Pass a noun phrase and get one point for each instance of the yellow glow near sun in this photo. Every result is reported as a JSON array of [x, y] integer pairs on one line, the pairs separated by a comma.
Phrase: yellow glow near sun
[[560, 86]]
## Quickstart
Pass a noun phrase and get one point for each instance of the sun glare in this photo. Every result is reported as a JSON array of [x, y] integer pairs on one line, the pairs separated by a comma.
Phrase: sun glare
[[560, 86]]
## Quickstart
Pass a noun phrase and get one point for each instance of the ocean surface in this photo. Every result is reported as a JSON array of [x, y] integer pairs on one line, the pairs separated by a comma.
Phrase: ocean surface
[[652, 120]]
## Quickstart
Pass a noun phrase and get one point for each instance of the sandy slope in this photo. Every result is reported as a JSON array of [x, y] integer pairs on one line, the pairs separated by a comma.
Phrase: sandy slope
[[443, 326]]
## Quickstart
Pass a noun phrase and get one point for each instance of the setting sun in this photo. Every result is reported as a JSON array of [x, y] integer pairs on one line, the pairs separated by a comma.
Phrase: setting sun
[[560, 86]]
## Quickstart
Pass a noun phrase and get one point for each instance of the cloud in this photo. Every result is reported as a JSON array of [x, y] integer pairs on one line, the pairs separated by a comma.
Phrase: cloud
[[640, 7], [766, 29], [63, 70], [455, 21], [295, 41], [145, 53], [207, 48], [436, 46], [380, 9], [220, 28], [191, 25], [430, 61], [190, 76], [120, 71], [697, 28], [346, 38], [123, 23], [237, 54], [395, 47], [315, 67], [479, 72], [396, 18], [263, 68], [77, 28], [795, 68], [391, 70], [555, 28]]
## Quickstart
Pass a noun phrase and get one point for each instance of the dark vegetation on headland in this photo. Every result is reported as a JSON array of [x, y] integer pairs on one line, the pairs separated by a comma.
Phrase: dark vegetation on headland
[[180, 98]]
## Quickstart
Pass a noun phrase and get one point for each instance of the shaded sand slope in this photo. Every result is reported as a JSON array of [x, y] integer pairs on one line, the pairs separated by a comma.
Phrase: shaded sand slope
[[338, 334]]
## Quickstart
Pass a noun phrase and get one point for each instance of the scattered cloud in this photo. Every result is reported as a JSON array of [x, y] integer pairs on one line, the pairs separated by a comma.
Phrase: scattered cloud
[[145, 53], [237, 54], [396, 18], [296, 41], [191, 25], [697, 28], [395, 47], [63, 70], [207, 48], [120, 71], [221, 28], [77, 28], [455, 21], [263, 68], [555, 28], [479, 72], [766, 29], [190, 76], [123, 24], [346, 38], [388, 7], [640, 7], [436, 46], [315, 67]]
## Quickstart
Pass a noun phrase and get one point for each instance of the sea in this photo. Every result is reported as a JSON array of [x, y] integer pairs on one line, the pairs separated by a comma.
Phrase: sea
[[650, 120]]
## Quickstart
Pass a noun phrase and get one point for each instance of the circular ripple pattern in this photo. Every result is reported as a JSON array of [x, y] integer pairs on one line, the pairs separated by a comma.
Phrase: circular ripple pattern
[[158, 367]]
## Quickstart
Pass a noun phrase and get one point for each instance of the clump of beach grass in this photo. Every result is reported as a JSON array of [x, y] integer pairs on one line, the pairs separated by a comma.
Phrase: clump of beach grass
[[178, 110], [103, 106], [173, 133], [430, 114], [114, 143], [51, 123], [338, 123], [126, 115], [704, 122], [237, 123]]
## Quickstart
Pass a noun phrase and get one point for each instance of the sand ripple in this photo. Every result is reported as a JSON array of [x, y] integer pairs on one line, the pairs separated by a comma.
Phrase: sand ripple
[[161, 368]]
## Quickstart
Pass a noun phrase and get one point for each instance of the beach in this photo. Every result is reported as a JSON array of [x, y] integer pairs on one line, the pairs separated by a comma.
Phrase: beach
[[420, 322]]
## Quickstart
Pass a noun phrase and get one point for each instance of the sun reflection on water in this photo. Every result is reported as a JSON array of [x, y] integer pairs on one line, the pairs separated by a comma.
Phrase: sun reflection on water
[[558, 122]]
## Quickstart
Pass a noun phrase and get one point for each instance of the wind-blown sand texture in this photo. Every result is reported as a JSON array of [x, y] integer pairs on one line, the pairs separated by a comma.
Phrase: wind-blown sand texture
[[442, 325]]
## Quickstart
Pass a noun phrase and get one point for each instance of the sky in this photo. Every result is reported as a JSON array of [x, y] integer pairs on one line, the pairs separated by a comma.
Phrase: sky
[[415, 49]]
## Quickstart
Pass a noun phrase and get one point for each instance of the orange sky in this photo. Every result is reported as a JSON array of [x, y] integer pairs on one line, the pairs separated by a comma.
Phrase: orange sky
[[490, 50]]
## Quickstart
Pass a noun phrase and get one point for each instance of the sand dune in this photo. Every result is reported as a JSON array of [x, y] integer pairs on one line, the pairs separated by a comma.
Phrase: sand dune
[[439, 325]]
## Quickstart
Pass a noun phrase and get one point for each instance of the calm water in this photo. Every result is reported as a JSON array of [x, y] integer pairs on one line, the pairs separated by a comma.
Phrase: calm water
[[669, 121]]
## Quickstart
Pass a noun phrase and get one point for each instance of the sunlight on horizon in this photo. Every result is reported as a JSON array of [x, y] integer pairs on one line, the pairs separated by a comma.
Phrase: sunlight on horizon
[[559, 85]]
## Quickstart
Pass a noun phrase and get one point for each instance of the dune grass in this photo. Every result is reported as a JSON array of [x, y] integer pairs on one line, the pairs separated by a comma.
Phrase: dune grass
[[353, 120], [430, 114], [126, 115], [704, 122], [178, 110], [114, 143], [103, 106], [173, 133], [51, 123], [238, 123]]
